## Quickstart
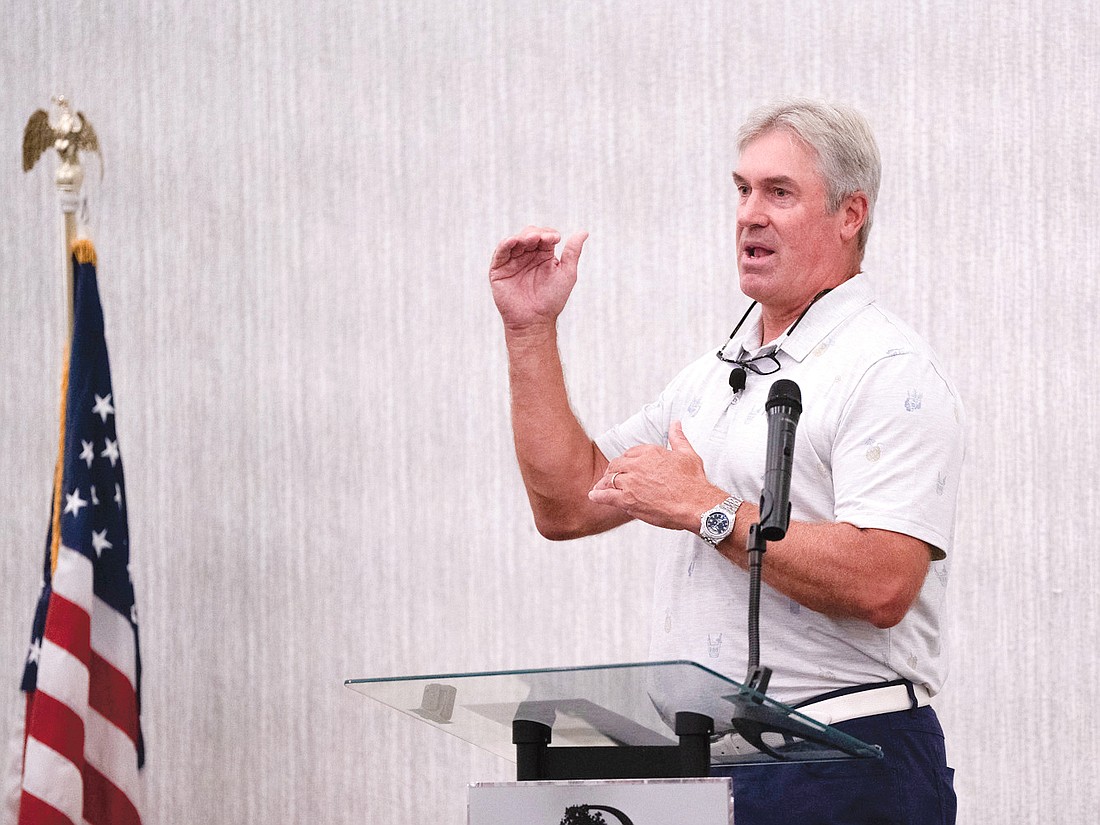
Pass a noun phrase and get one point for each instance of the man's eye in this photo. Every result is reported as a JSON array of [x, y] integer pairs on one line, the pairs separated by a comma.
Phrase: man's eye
[[743, 189], [781, 193]]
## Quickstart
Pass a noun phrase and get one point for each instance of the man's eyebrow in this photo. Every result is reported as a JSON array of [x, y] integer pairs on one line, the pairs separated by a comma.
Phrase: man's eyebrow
[[780, 181]]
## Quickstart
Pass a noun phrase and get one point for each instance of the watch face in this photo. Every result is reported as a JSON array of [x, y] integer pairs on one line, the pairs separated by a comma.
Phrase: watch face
[[718, 524]]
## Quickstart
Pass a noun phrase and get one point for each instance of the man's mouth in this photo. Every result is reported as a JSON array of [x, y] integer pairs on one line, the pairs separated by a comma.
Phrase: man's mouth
[[757, 251]]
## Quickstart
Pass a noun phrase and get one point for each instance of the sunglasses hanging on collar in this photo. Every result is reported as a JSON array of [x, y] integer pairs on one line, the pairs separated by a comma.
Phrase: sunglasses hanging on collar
[[765, 364]]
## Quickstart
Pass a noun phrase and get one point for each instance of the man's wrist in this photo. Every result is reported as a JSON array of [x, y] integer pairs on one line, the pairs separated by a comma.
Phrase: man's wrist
[[535, 330]]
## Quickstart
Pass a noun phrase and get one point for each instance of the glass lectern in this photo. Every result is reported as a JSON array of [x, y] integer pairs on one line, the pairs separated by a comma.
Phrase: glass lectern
[[626, 721]]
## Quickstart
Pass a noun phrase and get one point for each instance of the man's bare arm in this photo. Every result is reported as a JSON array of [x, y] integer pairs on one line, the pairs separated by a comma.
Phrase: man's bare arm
[[557, 458]]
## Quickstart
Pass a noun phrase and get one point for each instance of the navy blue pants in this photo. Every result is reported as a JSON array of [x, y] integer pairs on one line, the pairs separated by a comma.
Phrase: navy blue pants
[[911, 785]]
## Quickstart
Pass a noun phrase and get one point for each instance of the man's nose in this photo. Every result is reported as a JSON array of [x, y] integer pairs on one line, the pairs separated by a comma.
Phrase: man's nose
[[751, 211]]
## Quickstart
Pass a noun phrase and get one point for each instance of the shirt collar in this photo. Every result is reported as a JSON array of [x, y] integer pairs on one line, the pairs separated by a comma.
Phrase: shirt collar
[[824, 316]]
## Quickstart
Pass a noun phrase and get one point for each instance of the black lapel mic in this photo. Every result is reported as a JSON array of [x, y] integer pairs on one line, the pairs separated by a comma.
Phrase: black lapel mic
[[737, 379], [784, 407]]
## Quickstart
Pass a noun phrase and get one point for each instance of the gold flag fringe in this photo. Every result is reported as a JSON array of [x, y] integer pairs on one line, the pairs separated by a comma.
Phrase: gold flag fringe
[[55, 533], [84, 250]]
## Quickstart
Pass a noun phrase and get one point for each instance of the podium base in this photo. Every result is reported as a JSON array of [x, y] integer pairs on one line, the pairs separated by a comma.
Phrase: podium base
[[536, 760]]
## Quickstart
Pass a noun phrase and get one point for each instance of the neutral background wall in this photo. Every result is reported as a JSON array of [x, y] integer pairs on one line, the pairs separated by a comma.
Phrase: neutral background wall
[[297, 211]]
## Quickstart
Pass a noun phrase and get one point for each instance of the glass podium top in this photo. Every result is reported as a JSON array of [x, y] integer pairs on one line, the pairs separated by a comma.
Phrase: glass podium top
[[624, 704]]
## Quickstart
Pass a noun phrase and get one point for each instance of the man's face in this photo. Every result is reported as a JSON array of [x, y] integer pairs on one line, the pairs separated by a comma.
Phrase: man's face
[[789, 247]]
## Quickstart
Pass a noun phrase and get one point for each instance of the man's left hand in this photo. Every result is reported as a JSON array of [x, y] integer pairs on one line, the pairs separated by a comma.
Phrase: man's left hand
[[663, 487]]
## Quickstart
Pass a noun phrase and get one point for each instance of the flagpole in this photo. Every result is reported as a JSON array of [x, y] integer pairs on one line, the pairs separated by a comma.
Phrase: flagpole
[[68, 180], [69, 214], [69, 133]]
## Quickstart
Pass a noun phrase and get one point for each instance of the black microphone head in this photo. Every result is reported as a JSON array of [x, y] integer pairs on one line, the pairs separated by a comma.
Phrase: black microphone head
[[784, 393], [737, 379]]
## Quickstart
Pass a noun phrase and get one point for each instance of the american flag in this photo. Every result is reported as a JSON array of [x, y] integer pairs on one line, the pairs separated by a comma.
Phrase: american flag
[[83, 746]]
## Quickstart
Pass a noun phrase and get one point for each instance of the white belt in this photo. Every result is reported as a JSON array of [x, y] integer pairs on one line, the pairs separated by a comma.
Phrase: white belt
[[870, 702]]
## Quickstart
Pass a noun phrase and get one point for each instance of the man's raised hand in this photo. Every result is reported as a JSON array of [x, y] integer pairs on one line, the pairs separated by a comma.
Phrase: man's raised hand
[[530, 284]]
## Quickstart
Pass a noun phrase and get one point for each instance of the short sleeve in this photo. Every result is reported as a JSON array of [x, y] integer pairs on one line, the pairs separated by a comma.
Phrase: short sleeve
[[647, 426], [898, 453]]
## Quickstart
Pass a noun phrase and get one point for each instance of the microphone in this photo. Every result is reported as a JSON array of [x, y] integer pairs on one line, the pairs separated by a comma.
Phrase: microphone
[[784, 407], [737, 379]]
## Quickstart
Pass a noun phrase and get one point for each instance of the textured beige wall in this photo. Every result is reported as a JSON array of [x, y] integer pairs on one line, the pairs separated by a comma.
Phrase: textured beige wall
[[299, 204]]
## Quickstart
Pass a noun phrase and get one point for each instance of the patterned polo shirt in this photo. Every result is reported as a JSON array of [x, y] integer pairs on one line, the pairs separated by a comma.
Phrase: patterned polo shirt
[[879, 445]]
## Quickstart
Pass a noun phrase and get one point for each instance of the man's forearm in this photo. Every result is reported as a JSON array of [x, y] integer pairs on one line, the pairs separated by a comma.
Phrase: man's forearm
[[838, 569], [557, 458]]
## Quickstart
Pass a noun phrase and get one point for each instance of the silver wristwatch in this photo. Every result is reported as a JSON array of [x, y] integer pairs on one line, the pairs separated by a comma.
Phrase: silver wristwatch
[[717, 522]]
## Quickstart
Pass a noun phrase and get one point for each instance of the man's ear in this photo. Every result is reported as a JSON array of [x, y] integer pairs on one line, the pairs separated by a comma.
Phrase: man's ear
[[854, 213]]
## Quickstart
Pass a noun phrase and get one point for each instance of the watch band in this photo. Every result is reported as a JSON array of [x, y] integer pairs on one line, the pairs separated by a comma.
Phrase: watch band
[[713, 530]]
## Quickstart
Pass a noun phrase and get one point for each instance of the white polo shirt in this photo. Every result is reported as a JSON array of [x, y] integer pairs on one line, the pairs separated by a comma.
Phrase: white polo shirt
[[879, 445]]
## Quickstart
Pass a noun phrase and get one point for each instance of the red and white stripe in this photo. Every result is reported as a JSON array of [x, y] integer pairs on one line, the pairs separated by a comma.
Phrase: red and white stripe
[[80, 760]]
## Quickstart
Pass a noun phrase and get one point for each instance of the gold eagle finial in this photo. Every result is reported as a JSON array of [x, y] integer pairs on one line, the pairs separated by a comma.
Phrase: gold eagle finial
[[69, 134]]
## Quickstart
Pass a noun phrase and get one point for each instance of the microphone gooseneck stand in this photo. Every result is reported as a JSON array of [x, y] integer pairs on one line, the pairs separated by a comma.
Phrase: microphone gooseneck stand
[[757, 677]]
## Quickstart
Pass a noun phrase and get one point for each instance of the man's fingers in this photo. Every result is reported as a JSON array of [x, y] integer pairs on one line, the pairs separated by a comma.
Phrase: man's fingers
[[531, 239], [503, 253], [606, 490], [532, 243], [603, 495], [538, 238], [571, 252], [607, 480], [677, 440]]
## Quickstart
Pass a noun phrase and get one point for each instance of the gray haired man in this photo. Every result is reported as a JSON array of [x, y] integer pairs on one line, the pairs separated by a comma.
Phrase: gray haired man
[[853, 595]]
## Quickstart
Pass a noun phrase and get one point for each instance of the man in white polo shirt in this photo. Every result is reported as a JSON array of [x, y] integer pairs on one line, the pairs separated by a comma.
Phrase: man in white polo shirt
[[852, 597]]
